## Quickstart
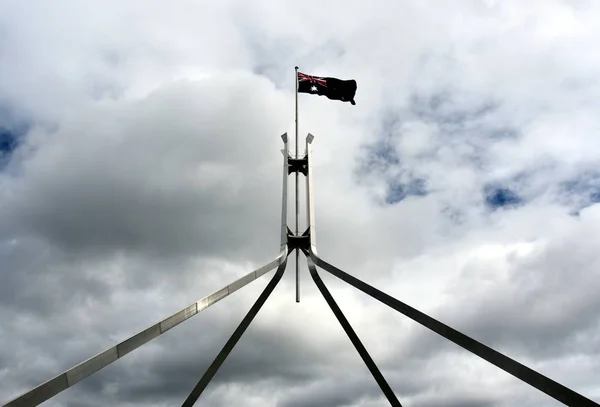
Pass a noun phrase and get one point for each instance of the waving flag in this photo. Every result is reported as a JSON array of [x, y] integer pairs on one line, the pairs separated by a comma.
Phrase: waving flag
[[333, 88]]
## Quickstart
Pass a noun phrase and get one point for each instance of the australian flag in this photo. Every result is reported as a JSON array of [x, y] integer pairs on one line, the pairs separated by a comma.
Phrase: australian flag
[[333, 88]]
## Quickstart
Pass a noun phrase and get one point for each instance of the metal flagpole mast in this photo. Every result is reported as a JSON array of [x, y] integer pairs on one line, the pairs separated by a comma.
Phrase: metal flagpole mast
[[297, 194]]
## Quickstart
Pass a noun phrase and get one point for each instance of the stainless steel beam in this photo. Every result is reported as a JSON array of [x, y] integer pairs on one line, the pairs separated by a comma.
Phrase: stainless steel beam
[[520, 371], [310, 204], [284, 201], [360, 348], [297, 198], [233, 340], [67, 379], [214, 367]]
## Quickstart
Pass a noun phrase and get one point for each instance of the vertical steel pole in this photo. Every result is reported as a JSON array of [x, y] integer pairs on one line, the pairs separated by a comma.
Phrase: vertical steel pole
[[297, 195], [310, 202]]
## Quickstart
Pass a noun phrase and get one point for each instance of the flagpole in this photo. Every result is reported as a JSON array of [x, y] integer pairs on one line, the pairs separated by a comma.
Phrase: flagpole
[[297, 195]]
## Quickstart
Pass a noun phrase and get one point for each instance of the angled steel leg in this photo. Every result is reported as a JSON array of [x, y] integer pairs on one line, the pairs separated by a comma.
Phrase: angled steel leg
[[212, 370], [522, 372], [364, 354], [67, 379], [235, 337]]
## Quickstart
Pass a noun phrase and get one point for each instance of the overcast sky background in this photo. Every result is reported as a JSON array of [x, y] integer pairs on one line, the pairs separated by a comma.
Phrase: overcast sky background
[[140, 171]]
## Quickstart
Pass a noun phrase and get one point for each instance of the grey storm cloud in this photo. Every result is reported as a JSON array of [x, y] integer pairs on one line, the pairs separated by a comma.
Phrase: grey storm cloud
[[137, 179], [144, 173]]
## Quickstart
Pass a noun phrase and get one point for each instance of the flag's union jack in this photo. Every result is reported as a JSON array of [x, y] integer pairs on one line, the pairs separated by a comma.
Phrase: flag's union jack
[[311, 79]]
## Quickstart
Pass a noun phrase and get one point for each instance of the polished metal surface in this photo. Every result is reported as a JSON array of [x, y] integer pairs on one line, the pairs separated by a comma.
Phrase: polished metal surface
[[360, 348], [92, 365], [310, 204], [42, 393], [284, 201], [138, 340], [297, 196]]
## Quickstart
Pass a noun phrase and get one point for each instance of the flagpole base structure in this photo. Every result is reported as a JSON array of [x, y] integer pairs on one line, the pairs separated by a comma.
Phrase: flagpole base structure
[[297, 165], [305, 242]]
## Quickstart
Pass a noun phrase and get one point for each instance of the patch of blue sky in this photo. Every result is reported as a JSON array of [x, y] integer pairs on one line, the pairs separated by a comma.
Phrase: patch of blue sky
[[382, 160], [398, 191], [379, 157], [13, 128], [8, 141], [582, 191], [584, 184], [497, 197], [477, 122], [466, 128]]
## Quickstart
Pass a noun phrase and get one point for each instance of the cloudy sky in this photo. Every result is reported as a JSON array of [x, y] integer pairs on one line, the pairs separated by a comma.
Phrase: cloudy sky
[[140, 171]]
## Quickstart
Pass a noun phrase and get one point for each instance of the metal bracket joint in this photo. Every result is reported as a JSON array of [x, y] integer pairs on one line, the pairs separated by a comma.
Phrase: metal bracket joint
[[298, 165]]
